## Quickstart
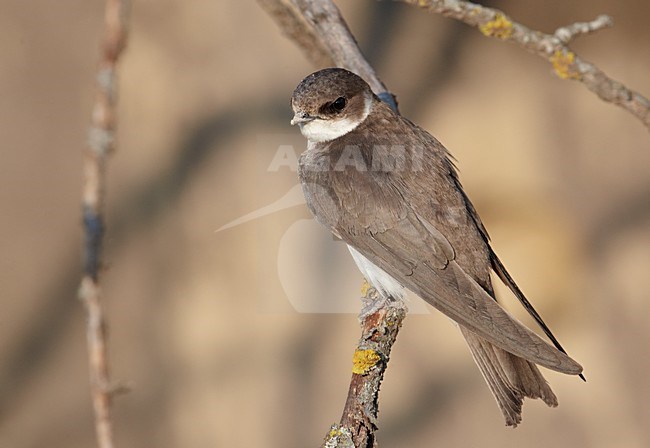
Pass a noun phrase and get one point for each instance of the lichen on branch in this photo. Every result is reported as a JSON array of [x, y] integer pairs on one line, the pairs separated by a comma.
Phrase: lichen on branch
[[552, 47]]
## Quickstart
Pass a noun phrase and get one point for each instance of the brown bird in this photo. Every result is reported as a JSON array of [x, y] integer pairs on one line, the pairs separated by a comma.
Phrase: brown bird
[[390, 191]]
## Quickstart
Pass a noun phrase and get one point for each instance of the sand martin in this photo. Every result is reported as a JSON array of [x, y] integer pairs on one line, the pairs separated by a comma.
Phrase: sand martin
[[391, 191]]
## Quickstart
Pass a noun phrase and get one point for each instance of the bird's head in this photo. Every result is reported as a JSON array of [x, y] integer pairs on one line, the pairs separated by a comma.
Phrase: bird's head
[[330, 103]]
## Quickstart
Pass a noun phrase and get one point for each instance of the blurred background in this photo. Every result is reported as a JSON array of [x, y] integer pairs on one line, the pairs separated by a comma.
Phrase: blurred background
[[244, 337]]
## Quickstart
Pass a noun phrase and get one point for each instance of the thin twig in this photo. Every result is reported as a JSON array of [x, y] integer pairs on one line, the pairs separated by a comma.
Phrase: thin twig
[[552, 47], [100, 145], [567, 33]]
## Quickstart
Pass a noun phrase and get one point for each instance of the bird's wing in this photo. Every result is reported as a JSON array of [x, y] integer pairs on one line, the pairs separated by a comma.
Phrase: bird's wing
[[398, 220], [388, 223], [420, 258]]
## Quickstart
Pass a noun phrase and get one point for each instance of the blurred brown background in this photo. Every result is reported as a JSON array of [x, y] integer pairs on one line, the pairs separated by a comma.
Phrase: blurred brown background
[[244, 337]]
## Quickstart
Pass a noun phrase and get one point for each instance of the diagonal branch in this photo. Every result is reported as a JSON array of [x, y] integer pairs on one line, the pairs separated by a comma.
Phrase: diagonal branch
[[321, 32], [100, 144], [296, 27], [552, 47], [369, 363]]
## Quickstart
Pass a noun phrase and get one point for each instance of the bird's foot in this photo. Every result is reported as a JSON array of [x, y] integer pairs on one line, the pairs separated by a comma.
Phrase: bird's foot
[[373, 301]]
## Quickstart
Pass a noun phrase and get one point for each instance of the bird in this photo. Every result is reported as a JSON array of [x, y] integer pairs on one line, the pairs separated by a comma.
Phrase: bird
[[391, 192]]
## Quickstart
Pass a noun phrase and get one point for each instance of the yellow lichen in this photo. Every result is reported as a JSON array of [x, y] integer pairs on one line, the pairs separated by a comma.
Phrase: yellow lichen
[[364, 360], [338, 436], [364, 288], [499, 27], [563, 62]]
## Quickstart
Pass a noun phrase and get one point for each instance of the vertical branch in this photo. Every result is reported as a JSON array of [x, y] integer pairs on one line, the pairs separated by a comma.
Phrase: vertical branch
[[100, 144], [378, 334]]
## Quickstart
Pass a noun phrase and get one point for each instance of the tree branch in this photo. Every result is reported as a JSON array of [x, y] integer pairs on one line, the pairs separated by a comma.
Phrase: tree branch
[[294, 26], [100, 144], [552, 47], [320, 31], [370, 361]]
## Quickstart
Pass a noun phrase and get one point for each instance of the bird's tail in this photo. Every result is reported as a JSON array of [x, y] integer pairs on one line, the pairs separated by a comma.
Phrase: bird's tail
[[510, 378]]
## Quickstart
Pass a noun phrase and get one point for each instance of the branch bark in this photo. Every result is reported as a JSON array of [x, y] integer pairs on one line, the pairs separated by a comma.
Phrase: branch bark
[[369, 363], [100, 145], [320, 31], [552, 47]]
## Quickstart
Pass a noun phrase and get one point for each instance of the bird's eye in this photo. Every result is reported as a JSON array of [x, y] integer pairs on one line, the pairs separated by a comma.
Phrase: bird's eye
[[339, 104], [334, 107]]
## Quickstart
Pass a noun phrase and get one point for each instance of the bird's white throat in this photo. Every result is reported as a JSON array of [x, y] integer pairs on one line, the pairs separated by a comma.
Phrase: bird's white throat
[[320, 130]]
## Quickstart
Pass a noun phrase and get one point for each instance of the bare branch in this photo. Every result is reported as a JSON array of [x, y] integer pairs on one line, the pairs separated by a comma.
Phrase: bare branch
[[294, 26], [370, 361], [552, 47], [567, 33], [100, 144]]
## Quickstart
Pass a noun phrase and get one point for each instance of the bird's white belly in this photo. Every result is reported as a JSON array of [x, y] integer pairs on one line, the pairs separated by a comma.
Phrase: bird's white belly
[[377, 277]]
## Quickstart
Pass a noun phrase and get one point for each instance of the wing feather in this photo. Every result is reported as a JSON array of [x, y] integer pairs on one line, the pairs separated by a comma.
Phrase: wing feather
[[456, 294]]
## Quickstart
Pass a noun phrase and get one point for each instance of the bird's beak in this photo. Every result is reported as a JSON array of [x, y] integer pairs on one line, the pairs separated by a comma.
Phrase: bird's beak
[[301, 117]]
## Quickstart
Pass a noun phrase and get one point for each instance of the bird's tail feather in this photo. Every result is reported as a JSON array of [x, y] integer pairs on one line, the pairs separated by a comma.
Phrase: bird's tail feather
[[510, 378]]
